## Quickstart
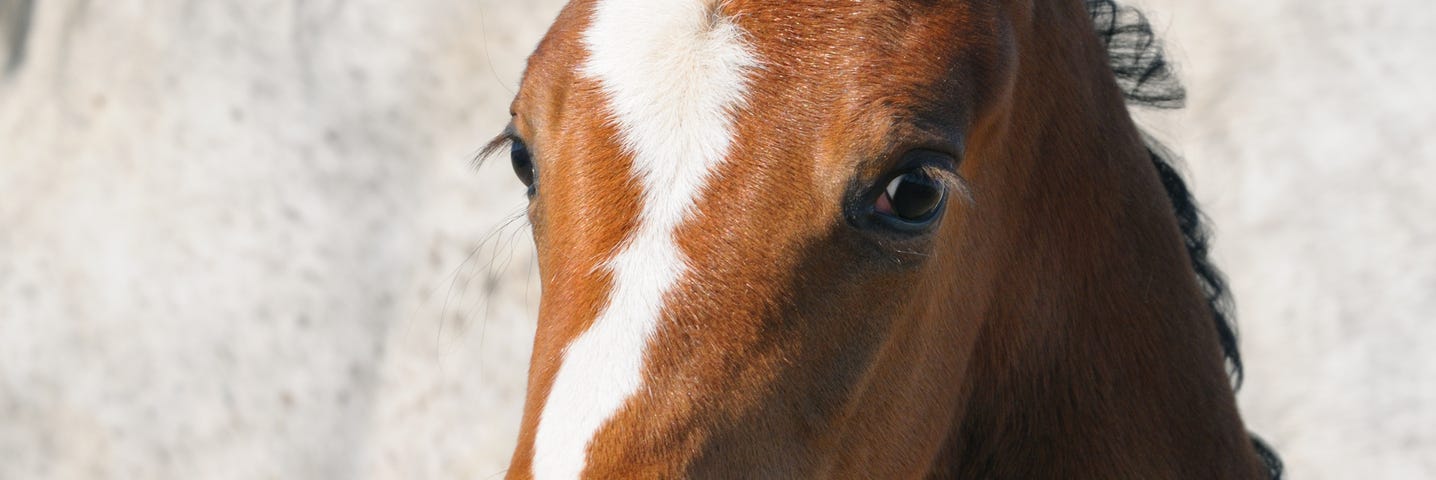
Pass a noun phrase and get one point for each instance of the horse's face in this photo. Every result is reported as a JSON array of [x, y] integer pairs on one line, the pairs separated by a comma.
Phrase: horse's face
[[749, 215]]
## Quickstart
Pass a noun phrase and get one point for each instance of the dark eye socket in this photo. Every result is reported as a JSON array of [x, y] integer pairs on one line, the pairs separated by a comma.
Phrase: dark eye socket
[[523, 163]]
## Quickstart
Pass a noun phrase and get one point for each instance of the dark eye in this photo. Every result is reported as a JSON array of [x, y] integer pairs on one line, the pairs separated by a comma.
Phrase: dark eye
[[523, 163], [913, 197]]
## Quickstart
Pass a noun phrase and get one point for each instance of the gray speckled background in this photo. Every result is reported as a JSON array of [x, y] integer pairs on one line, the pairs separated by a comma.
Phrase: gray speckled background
[[242, 239]]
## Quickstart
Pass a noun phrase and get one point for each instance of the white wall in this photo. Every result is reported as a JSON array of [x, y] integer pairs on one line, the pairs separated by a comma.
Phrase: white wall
[[243, 239], [1310, 138]]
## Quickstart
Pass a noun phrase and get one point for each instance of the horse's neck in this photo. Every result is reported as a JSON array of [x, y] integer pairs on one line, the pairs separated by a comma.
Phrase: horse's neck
[[1097, 357]]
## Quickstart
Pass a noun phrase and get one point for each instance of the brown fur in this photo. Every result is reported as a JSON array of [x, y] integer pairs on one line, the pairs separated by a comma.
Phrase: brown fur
[[1049, 329]]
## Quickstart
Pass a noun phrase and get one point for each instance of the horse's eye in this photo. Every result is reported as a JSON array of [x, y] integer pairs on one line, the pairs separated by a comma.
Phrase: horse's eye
[[912, 197], [523, 163]]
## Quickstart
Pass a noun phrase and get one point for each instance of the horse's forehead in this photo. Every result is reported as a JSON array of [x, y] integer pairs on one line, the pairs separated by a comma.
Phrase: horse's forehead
[[853, 63]]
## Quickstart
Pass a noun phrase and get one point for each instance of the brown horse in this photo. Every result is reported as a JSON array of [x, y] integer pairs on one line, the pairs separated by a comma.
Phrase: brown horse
[[865, 239]]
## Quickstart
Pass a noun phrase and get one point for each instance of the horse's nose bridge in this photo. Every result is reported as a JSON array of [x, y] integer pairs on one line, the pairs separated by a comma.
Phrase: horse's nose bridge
[[669, 86]]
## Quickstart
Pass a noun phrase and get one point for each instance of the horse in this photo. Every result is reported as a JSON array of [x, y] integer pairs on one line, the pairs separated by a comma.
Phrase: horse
[[865, 239]]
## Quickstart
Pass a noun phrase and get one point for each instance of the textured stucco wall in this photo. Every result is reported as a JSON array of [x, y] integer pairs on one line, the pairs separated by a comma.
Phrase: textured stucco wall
[[242, 239]]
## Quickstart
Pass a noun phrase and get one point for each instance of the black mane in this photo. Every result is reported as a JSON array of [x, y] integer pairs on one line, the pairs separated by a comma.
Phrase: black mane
[[1140, 65]]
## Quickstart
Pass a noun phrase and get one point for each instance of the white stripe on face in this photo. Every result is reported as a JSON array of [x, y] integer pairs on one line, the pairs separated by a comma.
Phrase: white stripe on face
[[673, 72]]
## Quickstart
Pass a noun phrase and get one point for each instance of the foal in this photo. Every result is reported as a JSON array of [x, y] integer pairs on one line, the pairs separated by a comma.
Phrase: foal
[[863, 239]]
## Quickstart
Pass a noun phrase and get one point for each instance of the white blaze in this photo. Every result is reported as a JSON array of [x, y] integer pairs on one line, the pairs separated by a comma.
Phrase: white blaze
[[673, 72]]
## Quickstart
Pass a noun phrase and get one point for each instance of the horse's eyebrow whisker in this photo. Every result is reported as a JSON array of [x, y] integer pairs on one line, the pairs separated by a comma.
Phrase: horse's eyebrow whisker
[[952, 180], [499, 142], [910, 252]]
